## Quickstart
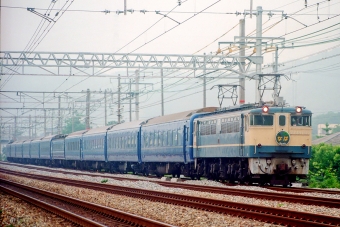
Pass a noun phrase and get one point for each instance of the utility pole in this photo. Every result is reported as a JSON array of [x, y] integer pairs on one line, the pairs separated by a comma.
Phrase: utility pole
[[87, 119], [15, 129], [59, 115], [45, 121], [204, 82], [118, 112], [105, 109], [29, 126], [51, 122], [130, 100], [73, 116], [130, 94], [137, 94], [44, 114], [162, 92], [242, 61], [35, 125], [9, 133], [258, 51], [277, 86]]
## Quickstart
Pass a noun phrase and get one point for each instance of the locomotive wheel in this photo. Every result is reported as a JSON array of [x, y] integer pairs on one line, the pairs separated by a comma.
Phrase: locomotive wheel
[[248, 183]]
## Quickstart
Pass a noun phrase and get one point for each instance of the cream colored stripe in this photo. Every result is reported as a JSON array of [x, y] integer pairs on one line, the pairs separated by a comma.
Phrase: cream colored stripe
[[221, 145]]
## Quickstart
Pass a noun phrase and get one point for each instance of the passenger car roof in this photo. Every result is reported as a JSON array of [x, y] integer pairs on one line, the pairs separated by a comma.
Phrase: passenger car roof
[[178, 116], [51, 137], [77, 133], [98, 130], [127, 125]]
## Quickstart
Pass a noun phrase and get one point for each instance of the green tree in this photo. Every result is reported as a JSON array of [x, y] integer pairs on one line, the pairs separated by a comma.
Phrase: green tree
[[77, 124], [327, 129], [324, 166]]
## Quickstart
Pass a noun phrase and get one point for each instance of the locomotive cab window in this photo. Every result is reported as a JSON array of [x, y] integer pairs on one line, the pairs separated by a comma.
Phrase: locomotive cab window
[[266, 120], [300, 121], [282, 120]]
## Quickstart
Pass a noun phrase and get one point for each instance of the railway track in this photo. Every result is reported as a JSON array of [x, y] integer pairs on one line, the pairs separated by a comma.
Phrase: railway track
[[280, 189], [260, 213], [295, 198], [78, 212]]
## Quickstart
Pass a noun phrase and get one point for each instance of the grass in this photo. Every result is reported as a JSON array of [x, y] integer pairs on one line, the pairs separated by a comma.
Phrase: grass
[[104, 180]]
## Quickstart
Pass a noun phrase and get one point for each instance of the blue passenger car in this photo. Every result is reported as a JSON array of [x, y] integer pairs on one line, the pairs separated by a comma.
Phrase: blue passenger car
[[11, 151], [58, 147], [18, 149], [26, 149], [165, 142], [123, 142], [73, 145], [123, 147], [35, 148], [94, 144]]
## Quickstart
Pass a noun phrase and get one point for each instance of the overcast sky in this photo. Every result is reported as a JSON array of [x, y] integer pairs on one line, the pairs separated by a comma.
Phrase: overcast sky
[[313, 65]]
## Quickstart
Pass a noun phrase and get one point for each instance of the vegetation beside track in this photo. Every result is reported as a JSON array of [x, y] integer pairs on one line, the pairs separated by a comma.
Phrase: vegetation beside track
[[324, 166]]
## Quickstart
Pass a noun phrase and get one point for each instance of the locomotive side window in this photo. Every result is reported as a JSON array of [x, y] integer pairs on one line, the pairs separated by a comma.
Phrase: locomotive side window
[[261, 120], [300, 121], [230, 125], [282, 120]]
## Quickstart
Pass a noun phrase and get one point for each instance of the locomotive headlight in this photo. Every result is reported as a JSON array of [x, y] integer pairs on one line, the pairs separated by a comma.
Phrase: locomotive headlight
[[293, 162], [298, 109], [265, 109]]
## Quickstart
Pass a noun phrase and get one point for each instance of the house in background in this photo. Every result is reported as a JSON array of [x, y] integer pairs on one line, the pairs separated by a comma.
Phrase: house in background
[[322, 127]]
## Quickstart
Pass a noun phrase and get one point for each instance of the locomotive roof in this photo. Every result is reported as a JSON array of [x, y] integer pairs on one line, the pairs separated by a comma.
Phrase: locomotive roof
[[178, 116], [280, 110], [98, 130], [127, 125], [77, 133]]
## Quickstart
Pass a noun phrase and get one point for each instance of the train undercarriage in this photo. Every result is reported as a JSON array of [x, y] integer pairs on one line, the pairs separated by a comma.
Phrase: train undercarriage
[[232, 170]]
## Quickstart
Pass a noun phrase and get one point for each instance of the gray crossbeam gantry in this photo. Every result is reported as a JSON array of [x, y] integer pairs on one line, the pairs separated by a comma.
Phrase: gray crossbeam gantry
[[108, 60]]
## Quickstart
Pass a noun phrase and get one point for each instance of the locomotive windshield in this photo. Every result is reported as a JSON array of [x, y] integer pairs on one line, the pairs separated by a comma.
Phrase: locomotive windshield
[[261, 120], [300, 121]]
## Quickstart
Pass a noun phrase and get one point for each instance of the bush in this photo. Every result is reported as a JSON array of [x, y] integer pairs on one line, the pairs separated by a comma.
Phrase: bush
[[324, 166]]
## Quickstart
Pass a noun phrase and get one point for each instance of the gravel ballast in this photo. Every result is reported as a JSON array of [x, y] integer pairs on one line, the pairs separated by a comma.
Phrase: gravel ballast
[[16, 212], [141, 206]]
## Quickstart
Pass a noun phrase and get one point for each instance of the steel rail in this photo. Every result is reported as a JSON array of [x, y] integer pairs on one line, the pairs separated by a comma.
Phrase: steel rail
[[116, 215], [308, 200], [261, 213]]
